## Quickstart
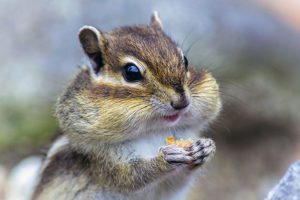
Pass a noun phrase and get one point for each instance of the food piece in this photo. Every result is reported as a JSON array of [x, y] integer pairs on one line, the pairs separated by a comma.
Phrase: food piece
[[181, 143]]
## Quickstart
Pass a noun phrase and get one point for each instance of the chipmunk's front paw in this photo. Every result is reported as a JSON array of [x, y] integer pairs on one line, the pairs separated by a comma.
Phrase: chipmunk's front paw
[[197, 154], [201, 150], [175, 155]]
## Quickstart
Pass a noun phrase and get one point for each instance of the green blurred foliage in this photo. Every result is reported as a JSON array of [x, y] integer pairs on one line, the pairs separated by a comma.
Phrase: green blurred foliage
[[25, 124]]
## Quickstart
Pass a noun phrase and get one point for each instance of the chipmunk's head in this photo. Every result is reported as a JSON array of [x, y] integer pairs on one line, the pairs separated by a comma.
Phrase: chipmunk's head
[[138, 82]]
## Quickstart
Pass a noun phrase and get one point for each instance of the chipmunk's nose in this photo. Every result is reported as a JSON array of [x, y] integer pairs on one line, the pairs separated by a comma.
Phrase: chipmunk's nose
[[181, 101], [179, 105]]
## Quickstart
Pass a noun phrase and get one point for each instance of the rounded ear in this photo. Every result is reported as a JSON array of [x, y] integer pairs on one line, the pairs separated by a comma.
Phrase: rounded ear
[[91, 40], [155, 21]]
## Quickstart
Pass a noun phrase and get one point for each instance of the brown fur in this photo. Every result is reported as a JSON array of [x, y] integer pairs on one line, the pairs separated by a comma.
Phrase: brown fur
[[100, 112]]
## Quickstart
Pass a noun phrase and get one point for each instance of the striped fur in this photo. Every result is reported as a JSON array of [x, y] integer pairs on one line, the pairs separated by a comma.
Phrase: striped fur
[[113, 129]]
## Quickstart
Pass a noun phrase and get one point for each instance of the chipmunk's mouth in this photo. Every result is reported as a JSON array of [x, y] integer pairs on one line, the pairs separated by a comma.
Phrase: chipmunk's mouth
[[171, 118]]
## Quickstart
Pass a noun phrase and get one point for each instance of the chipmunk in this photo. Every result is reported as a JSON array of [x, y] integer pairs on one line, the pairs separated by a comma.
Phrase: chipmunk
[[116, 113]]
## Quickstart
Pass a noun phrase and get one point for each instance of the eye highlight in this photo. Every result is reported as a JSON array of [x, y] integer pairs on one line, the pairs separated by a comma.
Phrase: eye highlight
[[186, 62], [131, 73]]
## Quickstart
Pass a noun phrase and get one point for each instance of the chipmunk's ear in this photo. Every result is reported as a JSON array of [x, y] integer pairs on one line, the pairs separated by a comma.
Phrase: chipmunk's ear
[[91, 40], [155, 21]]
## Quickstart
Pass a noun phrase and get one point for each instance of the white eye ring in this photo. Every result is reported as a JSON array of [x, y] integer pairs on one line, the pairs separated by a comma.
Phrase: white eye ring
[[188, 74]]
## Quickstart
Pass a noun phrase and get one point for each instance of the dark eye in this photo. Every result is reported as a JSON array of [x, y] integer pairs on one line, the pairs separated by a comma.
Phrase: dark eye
[[186, 62], [131, 73]]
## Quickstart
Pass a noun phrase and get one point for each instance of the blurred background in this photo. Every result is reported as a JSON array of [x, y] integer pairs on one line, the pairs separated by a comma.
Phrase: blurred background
[[251, 47]]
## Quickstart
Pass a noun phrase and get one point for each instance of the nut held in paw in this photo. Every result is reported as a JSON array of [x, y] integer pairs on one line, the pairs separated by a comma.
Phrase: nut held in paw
[[181, 143]]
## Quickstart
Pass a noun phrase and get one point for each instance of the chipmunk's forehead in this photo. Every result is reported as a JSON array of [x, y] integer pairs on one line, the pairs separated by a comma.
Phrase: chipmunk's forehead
[[160, 54]]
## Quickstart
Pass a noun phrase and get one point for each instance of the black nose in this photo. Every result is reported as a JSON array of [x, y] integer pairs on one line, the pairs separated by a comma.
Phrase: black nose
[[181, 104]]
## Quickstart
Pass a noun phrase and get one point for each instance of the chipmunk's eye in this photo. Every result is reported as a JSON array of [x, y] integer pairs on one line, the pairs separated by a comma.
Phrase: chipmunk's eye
[[132, 73], [186, 62]]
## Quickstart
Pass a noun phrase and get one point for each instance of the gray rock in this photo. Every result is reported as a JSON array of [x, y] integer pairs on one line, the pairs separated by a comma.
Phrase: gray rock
[[289, 186]]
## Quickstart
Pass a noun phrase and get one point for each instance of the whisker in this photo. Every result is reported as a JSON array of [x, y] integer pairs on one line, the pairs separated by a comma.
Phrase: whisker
[[196, 83], [186, 52], [185, 39]]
